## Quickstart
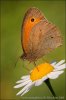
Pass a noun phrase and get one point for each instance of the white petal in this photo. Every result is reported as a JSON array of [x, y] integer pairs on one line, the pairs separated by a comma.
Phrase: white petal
[[60, 67], [54, 75], [38, 82], [25, 92], [22, 84], [27, 86], [53, 64], [23, 80], [44, 78], [27, 89], [60, 63], [26, 76]]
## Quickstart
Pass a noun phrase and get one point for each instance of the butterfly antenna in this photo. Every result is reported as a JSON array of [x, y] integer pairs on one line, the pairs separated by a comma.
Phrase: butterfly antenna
[[17, 61], [34, 63]]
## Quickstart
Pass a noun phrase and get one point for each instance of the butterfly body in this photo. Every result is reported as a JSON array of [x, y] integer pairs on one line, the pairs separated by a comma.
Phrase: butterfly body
[[39, 36]]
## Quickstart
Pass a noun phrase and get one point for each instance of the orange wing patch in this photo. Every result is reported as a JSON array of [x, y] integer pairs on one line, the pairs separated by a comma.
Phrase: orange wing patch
[[27, 28]]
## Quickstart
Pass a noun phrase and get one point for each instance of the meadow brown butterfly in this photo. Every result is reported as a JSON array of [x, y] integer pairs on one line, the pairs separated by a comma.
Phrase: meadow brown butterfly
[[38, 35]]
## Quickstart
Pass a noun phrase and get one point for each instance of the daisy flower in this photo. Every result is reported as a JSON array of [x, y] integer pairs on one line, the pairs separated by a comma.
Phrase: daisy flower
[[40, 74]]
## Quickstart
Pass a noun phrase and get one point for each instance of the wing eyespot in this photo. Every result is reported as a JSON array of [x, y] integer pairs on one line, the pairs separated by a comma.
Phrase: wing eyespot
[[32, 19]]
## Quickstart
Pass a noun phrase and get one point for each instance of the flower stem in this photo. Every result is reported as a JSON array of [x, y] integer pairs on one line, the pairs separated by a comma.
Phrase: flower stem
[[50, 87]]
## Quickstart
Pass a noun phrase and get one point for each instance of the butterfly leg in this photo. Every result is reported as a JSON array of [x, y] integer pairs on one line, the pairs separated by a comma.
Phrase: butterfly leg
[[45, 60], [36, 65], [26, 67]]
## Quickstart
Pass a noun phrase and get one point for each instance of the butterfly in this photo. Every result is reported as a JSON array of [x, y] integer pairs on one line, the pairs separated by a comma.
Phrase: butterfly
[[38, 35]]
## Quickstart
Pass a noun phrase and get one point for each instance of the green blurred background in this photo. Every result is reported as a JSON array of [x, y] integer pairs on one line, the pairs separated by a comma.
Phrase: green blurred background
[[12, 13]]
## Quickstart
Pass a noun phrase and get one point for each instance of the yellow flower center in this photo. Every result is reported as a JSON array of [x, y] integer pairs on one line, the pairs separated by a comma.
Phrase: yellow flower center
[[40, 71]]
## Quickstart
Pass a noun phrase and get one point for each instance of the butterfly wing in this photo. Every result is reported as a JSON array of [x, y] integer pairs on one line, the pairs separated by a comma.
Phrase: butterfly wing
[[32, 17], [44, 38], [38, 36]]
